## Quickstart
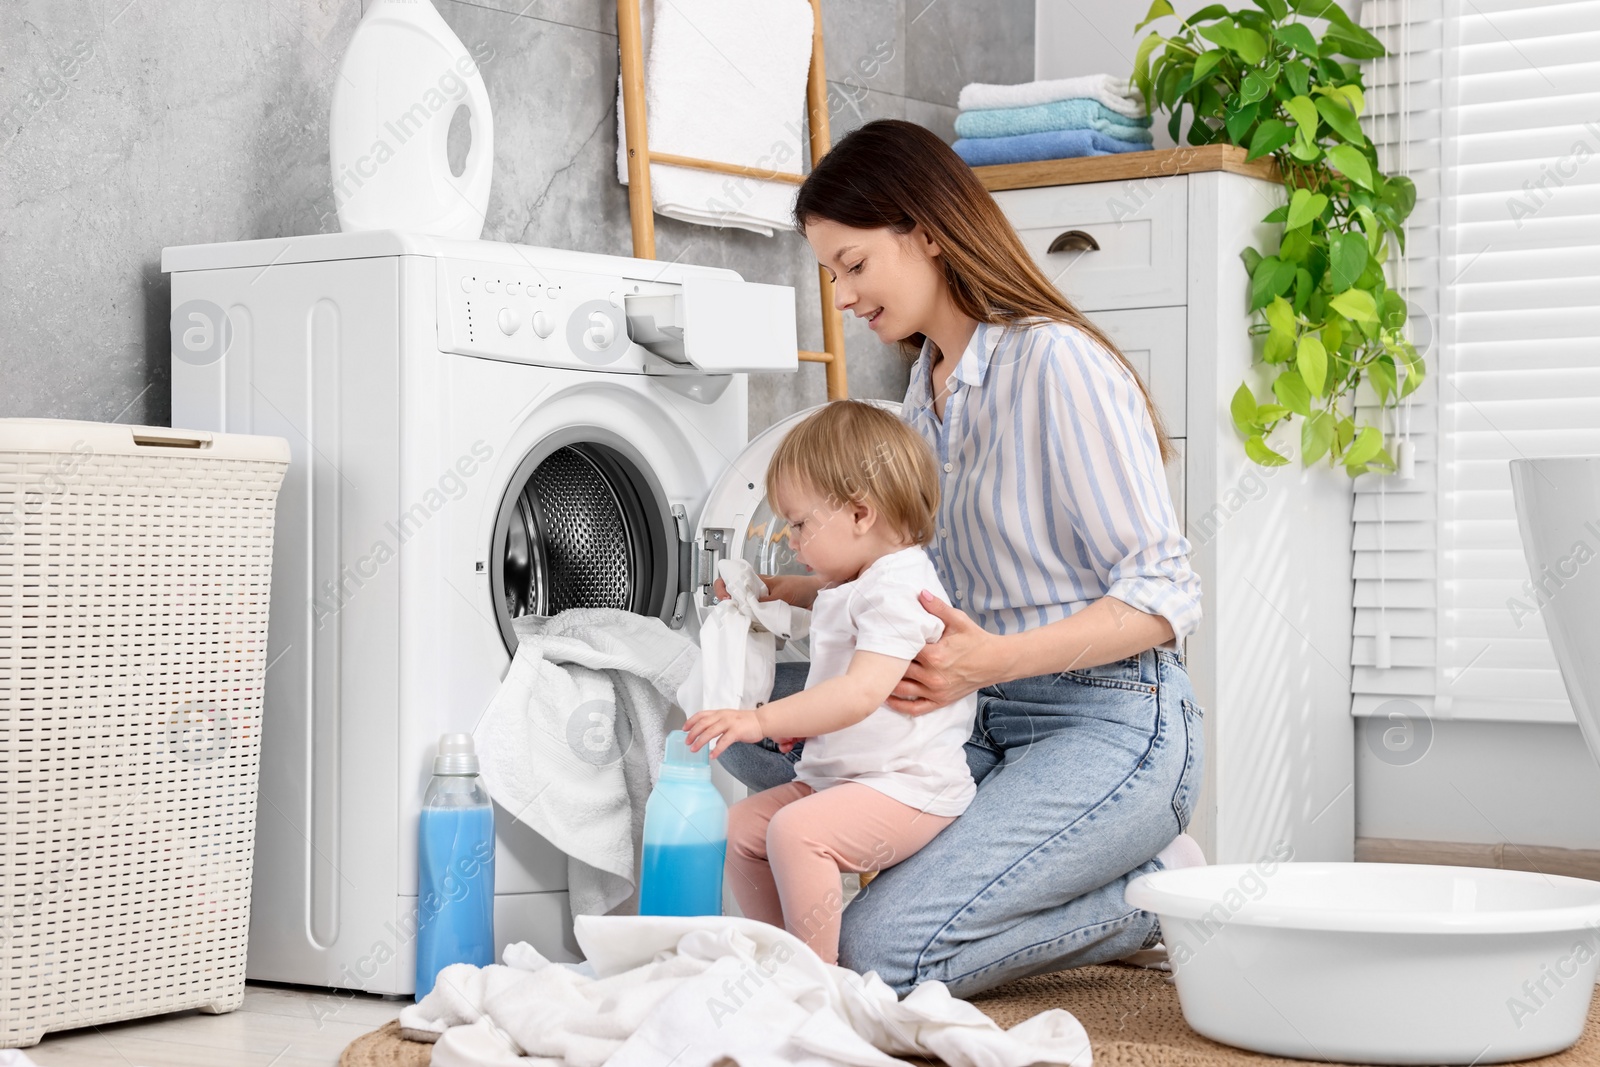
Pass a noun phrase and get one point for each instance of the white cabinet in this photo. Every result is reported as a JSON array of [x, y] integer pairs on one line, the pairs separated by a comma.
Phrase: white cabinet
[[1154, 261]]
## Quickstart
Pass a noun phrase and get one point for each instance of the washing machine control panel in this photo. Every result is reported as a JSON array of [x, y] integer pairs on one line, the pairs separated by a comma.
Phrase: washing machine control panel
[[530, 314]]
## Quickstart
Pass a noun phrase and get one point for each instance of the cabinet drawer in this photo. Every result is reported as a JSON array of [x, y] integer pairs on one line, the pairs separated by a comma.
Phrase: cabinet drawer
[[1140, 226], [1155, 340]]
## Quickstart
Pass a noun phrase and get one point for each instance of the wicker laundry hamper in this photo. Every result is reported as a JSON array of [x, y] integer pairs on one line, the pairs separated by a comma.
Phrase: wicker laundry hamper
[[135, 567]]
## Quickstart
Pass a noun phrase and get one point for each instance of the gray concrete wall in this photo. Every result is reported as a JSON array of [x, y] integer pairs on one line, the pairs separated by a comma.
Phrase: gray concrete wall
[[129, 125]]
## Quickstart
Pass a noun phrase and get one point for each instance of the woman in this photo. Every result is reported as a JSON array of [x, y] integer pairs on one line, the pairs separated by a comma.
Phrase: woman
[[1061, 549]]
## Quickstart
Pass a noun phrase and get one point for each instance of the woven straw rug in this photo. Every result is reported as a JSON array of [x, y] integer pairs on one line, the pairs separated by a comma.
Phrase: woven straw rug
[[1131, 1014]]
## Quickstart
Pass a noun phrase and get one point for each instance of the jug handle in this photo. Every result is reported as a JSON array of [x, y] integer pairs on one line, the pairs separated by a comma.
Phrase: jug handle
[[480, 155]]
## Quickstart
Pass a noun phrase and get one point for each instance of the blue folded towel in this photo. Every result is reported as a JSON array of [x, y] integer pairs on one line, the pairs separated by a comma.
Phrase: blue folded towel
[[1080, 113], [1028, 147]]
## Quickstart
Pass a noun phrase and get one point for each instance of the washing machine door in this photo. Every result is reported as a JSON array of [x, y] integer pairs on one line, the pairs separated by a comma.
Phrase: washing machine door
[[738, 521]]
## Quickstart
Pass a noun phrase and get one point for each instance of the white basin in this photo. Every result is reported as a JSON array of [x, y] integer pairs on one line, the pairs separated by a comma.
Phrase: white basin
[[1388, 963], [1558, 514]]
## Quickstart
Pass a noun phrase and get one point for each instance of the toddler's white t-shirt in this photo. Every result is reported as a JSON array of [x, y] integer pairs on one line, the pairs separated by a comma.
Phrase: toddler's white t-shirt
[[916, 759]]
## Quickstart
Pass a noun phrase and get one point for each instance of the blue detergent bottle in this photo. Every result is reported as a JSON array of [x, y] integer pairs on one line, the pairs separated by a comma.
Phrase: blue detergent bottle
[[685, 836], [455, 865]]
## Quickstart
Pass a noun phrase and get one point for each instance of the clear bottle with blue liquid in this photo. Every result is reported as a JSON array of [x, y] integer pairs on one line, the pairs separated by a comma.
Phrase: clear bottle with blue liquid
[[685, 836], [455, 865]]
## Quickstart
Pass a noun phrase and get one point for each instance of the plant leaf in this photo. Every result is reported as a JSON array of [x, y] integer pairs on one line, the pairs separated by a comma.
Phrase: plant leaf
[[1358, 99], [1251, 257], [1306, 151], [1255, 87], [1340, 119], [1277, 9], [1304, 113], [1311, 360], [1243, 410], [1305, 206], [1279, 347], [1364, 447], [1360, 45], [1316, 436], [1280, 316], [1158, 9], [1240, 121], [1270, 136], [1351, 163], [1297, 36], [1220, 33], [1271, 278], [1324, 9], [1292, 393], [1257, 450], [1303, 288], [1347, 258], [1141, 70], [1297, 76], [1251, 46], [1381, 373], [1205, 64], [1356, 305], [1400, 193]]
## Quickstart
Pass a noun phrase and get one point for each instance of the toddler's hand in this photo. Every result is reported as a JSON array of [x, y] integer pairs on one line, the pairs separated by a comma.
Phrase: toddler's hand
[[787, 743], [727, 725]]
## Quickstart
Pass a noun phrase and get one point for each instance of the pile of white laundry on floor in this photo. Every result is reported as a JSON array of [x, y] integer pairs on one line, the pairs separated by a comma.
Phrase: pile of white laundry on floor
[[702, 991]]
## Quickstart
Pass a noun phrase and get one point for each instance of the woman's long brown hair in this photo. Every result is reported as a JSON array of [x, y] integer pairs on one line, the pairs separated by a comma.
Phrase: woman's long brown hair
[[898, 174]]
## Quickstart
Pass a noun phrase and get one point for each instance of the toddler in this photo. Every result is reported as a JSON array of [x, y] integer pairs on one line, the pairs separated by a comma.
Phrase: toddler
[[859, 490]]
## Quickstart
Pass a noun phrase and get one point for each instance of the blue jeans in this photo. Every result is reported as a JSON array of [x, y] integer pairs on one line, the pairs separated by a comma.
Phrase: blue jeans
[[1083, 777]]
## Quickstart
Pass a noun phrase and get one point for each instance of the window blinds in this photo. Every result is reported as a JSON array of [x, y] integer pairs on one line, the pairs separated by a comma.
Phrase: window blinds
[[1393, 653], [1493, 107]]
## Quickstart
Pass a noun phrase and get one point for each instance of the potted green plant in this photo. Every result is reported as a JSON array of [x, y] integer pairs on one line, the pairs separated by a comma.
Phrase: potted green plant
[[1263, 79]]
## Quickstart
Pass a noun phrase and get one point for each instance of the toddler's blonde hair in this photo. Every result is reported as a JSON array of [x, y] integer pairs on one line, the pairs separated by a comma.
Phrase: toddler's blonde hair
[[854, 452]]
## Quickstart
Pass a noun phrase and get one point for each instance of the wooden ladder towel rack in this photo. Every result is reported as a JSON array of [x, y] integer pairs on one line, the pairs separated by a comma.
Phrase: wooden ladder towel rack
[[641, 210]]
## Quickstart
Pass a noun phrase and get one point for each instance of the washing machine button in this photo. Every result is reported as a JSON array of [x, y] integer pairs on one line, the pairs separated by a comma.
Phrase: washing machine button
[[513, 288], [599, 332], [468, 285], [491, 286], [510, 321], [542, 324]]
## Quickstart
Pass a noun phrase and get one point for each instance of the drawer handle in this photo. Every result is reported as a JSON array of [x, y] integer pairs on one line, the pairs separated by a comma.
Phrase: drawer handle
[[1075, 241]]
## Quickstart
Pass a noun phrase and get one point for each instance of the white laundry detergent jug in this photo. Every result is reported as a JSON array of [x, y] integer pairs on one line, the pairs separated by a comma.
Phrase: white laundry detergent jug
[[399, 85]]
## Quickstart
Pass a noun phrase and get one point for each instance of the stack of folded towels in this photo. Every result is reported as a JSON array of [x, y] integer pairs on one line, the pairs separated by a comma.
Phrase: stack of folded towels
[[1094, 115]]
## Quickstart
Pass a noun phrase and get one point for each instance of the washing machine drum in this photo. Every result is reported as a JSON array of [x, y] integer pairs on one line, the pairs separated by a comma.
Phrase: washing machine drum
[[580, 526]]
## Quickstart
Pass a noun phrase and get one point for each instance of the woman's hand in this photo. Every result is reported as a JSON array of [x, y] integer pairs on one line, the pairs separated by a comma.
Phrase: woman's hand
[[732, 724], [797, 589], [962, 661]]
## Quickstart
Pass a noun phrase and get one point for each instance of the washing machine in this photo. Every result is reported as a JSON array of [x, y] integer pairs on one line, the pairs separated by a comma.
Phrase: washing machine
[[478, 431]]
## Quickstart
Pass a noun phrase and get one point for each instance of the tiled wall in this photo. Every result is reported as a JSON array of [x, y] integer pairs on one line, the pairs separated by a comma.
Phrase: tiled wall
[[128, 125]]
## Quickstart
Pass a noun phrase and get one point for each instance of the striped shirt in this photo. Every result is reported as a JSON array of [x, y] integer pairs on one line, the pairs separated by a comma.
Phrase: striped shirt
[[1052, 493]]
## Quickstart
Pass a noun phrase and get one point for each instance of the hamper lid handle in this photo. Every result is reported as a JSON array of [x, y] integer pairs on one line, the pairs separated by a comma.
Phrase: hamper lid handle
[[160, 437]]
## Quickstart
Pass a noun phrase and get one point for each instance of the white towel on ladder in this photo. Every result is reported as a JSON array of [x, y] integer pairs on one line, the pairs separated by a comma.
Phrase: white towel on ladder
[[725, 80]]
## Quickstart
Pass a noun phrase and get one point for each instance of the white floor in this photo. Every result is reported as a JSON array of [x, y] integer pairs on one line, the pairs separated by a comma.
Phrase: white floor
[[275, 1027]]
